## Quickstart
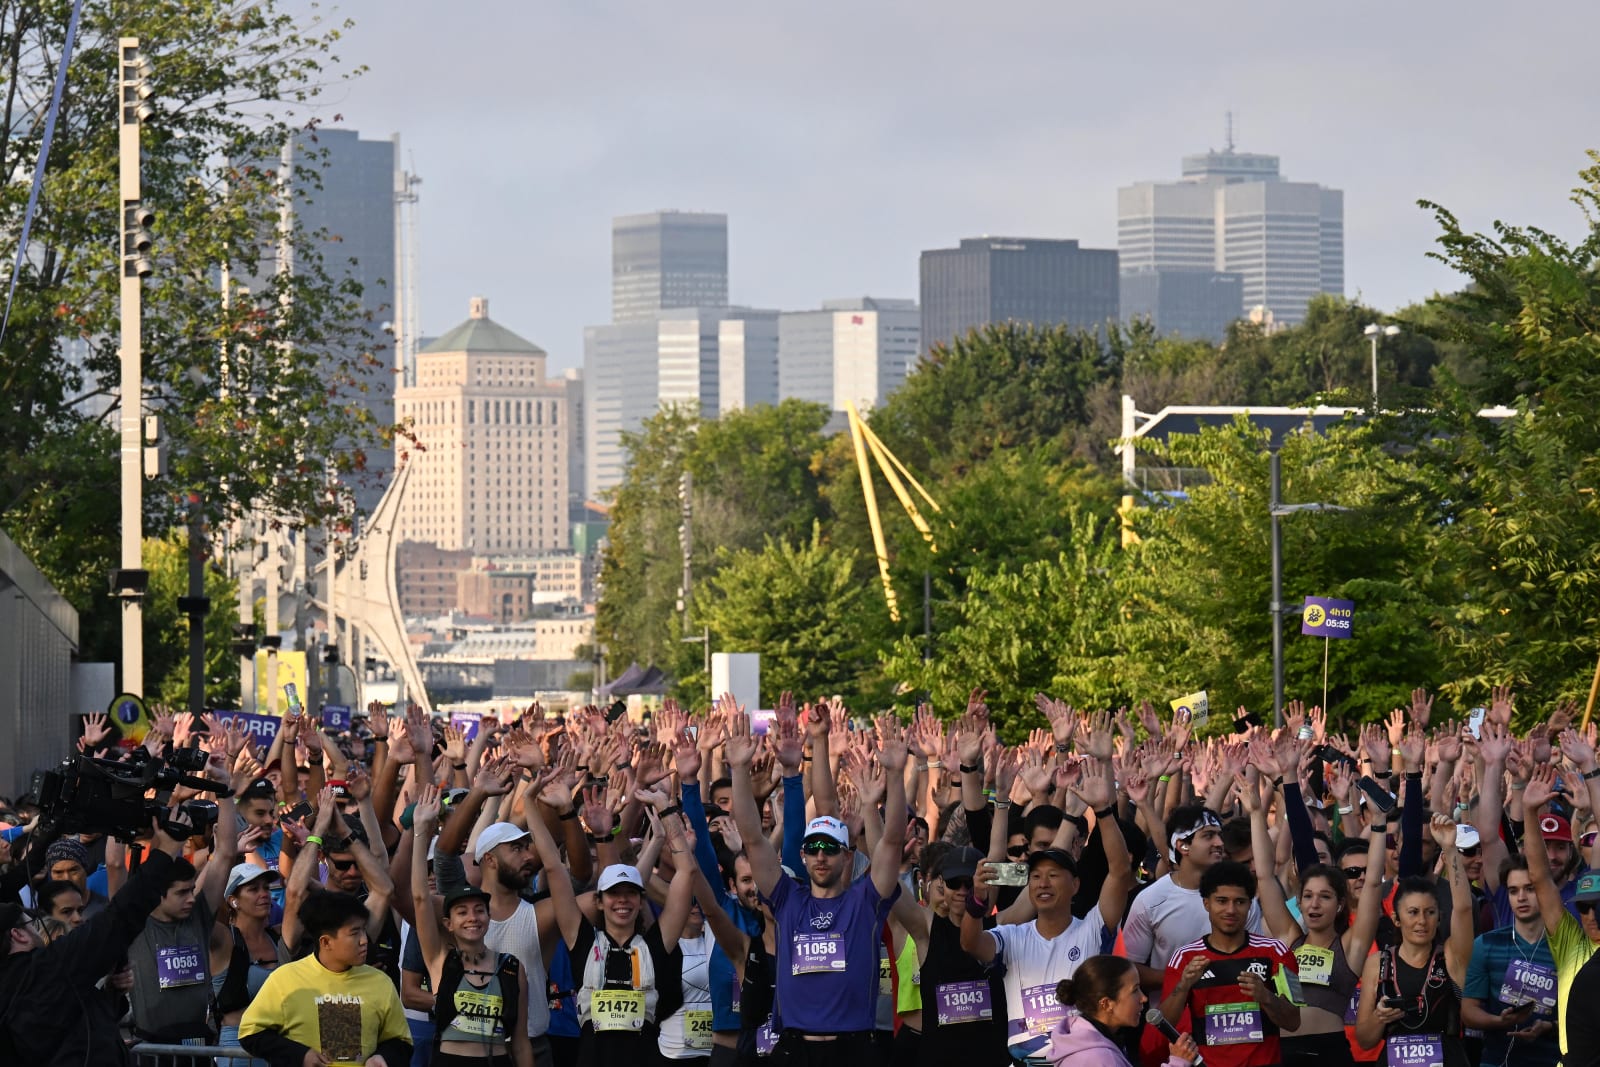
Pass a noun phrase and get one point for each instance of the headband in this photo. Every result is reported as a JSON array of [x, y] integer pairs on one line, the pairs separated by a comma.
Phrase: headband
[[1205, 819]]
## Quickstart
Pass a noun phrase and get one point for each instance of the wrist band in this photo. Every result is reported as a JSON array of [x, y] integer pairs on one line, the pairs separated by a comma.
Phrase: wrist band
[[1590, 776], [1165, 778], [675, 809], [314, 762], [459, 766], [937, 765], [593, 840], [1002, 805], [971, 768], [313, 839], [1413, 776], [1063, 747], [571, 813], [975, 907], [1077, 820], [1347, 809], [1110, 812]]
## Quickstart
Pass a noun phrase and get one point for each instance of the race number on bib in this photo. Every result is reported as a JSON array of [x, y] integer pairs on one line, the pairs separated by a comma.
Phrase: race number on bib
[[1529, 982], [1415, 1050], [766, 1039], [964, 1002], [1233, 1024], [1316, 964], [180, 966], [697, 1029], [818, 953], [617, 1009], [1040, 1009]]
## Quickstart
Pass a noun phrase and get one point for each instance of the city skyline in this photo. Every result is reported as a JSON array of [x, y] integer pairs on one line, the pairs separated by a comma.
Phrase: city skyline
[[1356, 104]]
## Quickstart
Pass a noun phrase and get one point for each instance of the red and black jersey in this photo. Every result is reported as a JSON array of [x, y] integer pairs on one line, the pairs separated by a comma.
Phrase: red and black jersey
[[1234, 1029]]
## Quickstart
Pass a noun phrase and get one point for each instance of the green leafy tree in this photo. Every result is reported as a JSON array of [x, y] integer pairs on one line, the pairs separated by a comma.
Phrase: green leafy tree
[[258, 381], [166, 628], [801, 606], [1517, 497]]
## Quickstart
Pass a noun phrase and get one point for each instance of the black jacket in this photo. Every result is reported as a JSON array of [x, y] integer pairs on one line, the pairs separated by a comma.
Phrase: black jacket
[[51, 1014]]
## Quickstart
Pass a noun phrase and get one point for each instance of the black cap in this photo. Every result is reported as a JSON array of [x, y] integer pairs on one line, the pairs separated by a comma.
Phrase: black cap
[[958, 863], [260, 789], [459, 893], [1058, 856]]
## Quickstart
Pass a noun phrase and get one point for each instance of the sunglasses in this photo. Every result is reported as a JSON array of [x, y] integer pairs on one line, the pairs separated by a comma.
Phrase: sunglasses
[[1585, 906], [341, 865], [958, 885], [1471, 853], [1354, 872], [821, 848], [1017, 850]]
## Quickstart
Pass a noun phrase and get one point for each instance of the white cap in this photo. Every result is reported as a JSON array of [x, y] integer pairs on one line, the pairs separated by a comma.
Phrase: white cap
[[495, 836], [1466, 837], [829, 827], [245, 873], [619, 874]]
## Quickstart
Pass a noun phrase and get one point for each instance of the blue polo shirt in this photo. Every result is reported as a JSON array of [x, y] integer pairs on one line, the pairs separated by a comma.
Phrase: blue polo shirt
[[1507, 970]]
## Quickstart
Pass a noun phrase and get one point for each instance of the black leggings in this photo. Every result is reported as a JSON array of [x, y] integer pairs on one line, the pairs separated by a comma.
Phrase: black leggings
[[1317, 1050]]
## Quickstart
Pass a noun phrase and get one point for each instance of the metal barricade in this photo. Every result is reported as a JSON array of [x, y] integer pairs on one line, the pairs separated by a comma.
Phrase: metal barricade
[[148, 1054]]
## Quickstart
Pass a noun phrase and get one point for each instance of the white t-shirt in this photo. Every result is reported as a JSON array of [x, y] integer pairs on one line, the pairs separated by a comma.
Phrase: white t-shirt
[[672, 1040], [519, 935], [1034, 964], [1166, 917]]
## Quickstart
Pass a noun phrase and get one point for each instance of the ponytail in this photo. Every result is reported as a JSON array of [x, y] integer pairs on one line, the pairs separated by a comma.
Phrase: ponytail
[[1097, 978]]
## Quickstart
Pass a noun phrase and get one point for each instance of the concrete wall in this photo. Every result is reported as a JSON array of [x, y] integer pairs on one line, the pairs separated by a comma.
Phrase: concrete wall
[[38, 640]]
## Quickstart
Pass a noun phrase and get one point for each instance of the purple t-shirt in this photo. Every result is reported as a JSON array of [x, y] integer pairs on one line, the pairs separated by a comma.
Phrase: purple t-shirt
[[827, 956]]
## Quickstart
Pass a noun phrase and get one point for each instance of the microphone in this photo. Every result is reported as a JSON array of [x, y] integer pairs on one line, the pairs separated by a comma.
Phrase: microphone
[[1168, 1031]]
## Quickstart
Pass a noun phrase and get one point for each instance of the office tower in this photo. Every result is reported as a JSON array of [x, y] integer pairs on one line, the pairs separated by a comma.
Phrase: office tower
[[572, 382], [667, 259], [343, 196], [1235, 212], [491, 472], [851, 351], [747, 359], [1015, 279], [633, 369], [1196, 304]]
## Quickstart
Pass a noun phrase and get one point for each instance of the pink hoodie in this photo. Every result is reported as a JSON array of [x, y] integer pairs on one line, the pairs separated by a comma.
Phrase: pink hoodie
[[1076, 1042]]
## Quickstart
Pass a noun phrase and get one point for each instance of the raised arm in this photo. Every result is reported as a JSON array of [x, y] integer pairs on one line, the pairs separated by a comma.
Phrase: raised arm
[[569, 917], [1541, 787], [214, 878], [299, 884], [1096, 790], [739, 750], [1369, 908], [1458, 950], [1270, 895], [1493, 747], [892, 753], [424, 824], [824, 793], [680, 895]]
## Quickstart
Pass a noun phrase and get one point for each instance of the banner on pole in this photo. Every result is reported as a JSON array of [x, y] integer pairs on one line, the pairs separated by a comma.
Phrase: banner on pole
[[467, 722], [1195, 707], [1323, 616], [336, 716]]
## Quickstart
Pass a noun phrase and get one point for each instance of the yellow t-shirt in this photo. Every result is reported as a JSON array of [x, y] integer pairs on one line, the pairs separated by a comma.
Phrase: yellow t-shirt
[[1571, 948], [343, 1015]]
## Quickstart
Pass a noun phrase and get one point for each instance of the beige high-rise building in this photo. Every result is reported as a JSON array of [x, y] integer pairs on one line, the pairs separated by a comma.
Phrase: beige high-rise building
[[491, 472]]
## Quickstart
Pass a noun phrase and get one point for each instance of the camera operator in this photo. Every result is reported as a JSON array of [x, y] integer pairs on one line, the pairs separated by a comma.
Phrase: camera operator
[[171, 958], [50, 1011]]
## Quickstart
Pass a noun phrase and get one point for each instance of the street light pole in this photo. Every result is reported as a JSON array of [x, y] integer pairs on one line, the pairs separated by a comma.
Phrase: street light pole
[[129, 583], [1373, 332], [1275, 608]]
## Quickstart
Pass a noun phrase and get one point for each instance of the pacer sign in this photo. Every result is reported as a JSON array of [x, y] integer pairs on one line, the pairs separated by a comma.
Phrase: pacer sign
[[1323, 616]]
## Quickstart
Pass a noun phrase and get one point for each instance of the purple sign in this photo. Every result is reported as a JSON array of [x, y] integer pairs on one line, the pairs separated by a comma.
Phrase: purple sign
[[262, 729], [467, 722], [336, 716], [1323, 616]]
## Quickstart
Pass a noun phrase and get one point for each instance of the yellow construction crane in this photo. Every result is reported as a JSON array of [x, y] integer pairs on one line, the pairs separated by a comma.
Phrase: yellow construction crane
[[866, 441]]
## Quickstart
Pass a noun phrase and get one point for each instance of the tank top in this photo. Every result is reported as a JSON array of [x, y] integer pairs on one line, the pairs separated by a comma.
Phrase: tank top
[[1326, 979], [950, 973], [1432, 1002], [908, 987], [686, 1033], [757, 994], [481, 1015], [237, 986]]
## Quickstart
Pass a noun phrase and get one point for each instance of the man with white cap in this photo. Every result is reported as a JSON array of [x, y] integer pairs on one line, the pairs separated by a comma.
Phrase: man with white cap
[[1169, 913], [507, 862], [828, 928]]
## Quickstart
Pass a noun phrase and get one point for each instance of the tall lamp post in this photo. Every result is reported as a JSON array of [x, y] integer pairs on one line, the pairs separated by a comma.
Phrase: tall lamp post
[[131, 579], [1374, 331]]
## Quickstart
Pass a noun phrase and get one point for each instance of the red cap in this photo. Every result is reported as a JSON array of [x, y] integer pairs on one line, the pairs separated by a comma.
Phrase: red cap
[[1555, 828]]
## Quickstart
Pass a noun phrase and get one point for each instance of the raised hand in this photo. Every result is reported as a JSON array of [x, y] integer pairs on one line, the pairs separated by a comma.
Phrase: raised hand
[[788, 745], [740, 747], [182, 727], [165, 725], [1035, 774], [838, 716], [1137, 786], [786, 710], [358, 782], [378, 721], [597, 814], [1564, 715], [455, 745], [1542, 787], [1007, 765], [1337, 775], [96, 731], [1100, 746], [494, 777], [1094, 787], [1068, 772], [1578, 749], [1376, 745], [1443, 829], [1500, 705], [892, 750], [870, 781], [1413, 746], [1396, 727], [400, 746], [685, 754], [976, 704], [1421, 707], [1494, 743], [425, 816], [1449, 750], [1149, 719], [1540, 736]]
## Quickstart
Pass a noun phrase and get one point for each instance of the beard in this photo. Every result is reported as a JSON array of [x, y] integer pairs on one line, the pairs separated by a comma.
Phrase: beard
[[511, 879]]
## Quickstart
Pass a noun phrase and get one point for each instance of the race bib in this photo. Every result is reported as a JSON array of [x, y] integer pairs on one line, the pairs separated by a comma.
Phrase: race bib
[[885, 978], [1529, 982], [1233, 1024], [1316, 964], [766, 1039], [1354, 1008], [1415, 1050], [180, 966], [479, 1014], [818, 953], [697, 1029], [964, 1002], [738, 994], [1040, 1009], [617, 1009]]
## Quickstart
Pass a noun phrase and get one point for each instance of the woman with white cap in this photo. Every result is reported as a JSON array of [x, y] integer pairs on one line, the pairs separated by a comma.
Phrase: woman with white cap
[[477, 992], [244, 950], [628, 974]]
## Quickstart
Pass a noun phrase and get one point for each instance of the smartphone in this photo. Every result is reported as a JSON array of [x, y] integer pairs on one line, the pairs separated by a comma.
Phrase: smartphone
[[299, 811], [1380, 797], [1475, 723], [1329, 754], [694, 732], [1394, 1002], [1011, 874]]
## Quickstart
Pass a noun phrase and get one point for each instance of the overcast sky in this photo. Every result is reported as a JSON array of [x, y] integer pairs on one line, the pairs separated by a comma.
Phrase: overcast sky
[[841, 138]]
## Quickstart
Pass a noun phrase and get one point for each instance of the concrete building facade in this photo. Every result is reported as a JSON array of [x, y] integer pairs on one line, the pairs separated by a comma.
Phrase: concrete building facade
[[1234, 212], [491, 473], [747, 359], [667, 259], [1015, 279], [857, 351], [1195, 304]]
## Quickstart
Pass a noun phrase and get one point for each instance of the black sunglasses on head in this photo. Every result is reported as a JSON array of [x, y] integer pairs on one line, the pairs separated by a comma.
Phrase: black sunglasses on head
[[821, 848]]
